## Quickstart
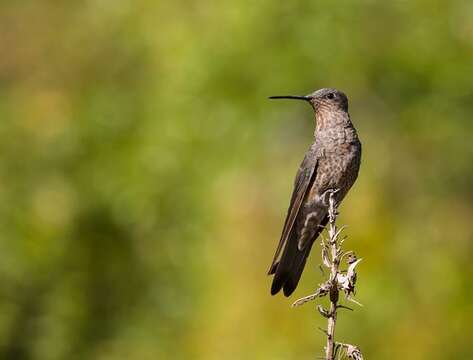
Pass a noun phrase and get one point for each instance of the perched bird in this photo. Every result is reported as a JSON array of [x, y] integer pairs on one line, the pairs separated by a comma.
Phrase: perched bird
[[331, 163]]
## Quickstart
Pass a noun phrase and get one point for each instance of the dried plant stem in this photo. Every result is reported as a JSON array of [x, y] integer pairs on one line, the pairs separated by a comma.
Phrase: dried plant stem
[[341, 279], [334, 293]]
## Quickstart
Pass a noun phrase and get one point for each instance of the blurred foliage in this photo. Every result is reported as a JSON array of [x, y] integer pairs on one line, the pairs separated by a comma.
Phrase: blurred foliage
[[144, 177]]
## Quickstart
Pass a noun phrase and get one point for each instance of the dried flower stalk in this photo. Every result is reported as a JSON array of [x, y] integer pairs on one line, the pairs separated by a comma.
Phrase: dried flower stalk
[[339, 280]]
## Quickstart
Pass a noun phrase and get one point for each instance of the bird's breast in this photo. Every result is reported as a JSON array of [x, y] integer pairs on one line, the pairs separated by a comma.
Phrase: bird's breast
[[337, 167]]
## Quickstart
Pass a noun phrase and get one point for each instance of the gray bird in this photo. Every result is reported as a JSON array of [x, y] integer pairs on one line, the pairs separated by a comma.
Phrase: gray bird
[[331, 163]]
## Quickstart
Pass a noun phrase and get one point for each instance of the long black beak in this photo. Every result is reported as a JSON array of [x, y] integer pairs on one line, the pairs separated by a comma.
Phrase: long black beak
[[305, 98]]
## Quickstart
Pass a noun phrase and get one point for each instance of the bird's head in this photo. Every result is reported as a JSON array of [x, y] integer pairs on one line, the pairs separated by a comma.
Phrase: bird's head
[[322, 100]]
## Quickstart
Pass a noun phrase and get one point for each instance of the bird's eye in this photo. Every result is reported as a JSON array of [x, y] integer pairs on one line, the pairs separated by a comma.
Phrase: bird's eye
[[330, 95]]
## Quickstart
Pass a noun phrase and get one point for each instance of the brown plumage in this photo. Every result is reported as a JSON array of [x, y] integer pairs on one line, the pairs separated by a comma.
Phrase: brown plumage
[[332, 162]]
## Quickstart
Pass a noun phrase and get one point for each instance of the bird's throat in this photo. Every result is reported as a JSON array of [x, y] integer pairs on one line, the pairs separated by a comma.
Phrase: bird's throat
[[326, 120]]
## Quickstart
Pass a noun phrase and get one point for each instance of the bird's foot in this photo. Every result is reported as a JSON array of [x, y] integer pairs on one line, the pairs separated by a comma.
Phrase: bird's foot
[[328, 195]]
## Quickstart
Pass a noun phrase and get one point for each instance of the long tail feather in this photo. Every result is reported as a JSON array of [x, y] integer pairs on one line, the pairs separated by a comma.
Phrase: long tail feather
[[289, 269]]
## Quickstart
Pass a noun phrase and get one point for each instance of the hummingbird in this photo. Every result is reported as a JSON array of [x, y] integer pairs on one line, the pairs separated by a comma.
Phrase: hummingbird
[[331, 163]]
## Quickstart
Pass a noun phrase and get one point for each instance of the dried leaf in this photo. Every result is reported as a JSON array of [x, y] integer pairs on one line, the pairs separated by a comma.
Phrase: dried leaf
[[324, 312], [325, 258], [320, 292], [353, 352]]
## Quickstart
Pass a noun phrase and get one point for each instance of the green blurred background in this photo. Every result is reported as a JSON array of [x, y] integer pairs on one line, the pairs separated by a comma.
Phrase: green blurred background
[[144, 176]]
